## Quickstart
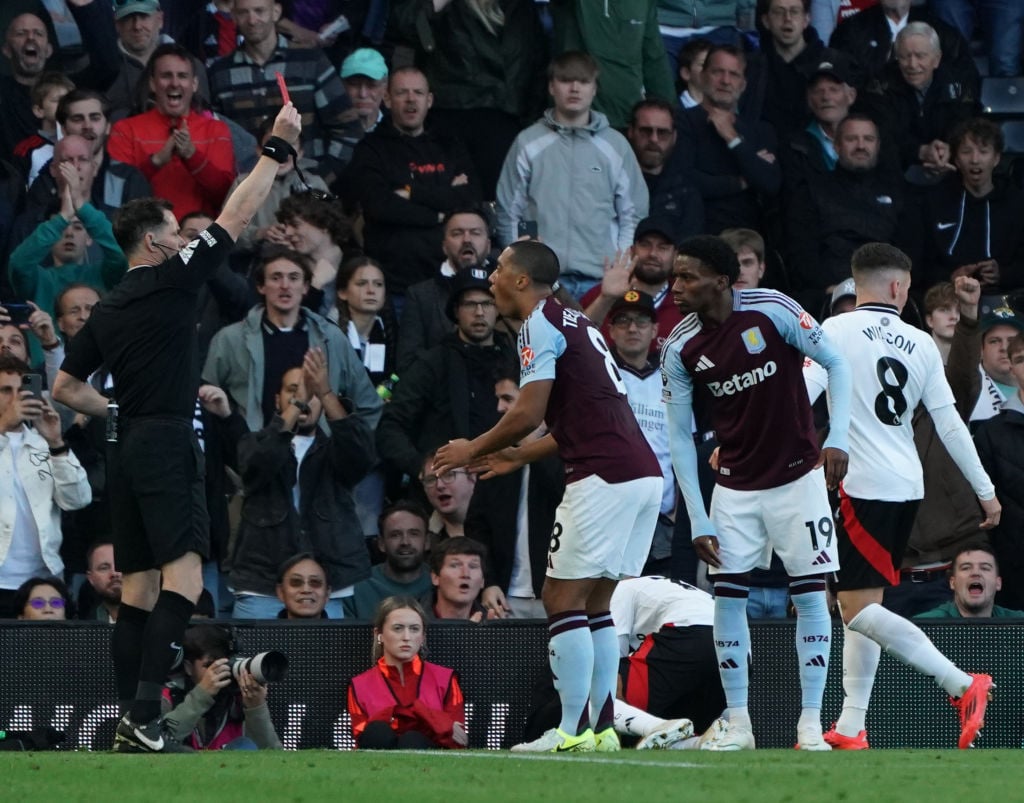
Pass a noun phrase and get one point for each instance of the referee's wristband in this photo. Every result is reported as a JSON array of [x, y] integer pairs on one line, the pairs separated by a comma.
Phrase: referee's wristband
[[278, 150]]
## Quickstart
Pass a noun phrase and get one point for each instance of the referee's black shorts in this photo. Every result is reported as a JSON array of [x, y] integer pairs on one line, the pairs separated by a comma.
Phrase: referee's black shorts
[[873, 537], [674, 674], [157, 493]]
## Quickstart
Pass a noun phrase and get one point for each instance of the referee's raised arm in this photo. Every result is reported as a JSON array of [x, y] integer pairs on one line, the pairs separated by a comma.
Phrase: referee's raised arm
[[249, 196]]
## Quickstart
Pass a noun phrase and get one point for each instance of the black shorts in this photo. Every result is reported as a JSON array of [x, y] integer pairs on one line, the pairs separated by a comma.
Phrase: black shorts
[[873, 536], [157, 492], [674, 674]]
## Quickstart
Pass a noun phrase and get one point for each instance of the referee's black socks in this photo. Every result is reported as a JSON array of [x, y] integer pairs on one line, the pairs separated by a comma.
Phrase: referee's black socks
[[161, 649]]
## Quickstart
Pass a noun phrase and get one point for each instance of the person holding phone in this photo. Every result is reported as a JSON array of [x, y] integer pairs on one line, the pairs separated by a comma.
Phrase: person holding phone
[[30, 440]]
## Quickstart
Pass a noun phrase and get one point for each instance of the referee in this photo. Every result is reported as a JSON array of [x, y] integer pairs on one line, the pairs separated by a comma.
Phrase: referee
[[144, 332]]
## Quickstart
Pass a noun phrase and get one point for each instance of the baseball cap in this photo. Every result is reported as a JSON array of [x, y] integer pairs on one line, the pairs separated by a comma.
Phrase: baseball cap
[[835, 65], [634, 301], [1001, 316], [656, 225], [468, 279], [122, 8], [364, 61], [845, 289]]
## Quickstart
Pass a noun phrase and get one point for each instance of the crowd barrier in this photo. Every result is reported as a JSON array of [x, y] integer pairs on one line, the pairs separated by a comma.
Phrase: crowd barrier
[[60, 674]]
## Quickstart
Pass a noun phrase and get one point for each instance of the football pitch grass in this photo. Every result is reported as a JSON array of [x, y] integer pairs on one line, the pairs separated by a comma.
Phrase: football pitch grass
[[763, 776]]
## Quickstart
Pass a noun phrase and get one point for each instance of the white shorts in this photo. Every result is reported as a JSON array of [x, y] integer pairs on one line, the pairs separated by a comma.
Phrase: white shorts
[[794, 519], [603, 529]]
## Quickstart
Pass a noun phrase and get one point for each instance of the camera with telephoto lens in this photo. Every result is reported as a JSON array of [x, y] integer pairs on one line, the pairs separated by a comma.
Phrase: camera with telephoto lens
[[266, 667]]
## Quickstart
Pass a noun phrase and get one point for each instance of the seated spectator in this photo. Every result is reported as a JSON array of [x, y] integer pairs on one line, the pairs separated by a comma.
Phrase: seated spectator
[[918, 104], [33, 153], [402, 538], [512, 515], [749, 248], [243, 87], [264, 225], [404, 702], [297, 485], [728, 156], [447, 392], [100, 596], [406, 178], [33, 536], [673, 197], [247, 358], [1000, 442], [572, 153], [318, 230], [42, 599], [457, 574], [363, 314], [364, 74], [999, 382], [974, 579], [691, 65], [62, 241], [186, 156], [868, 37], [466, 243], [302, 588], [969, 225], [449, 495], [653, 254], [834, 213], [207, 708]]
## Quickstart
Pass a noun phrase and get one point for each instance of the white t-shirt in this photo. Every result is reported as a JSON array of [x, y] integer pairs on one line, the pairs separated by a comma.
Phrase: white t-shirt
[[644, 605]]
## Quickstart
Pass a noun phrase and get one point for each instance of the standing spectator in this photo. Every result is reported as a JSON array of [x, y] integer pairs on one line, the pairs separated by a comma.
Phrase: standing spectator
[[716, 21], [739, 353], [1001, 28], [573, 153], [27, 48], [64, 240], [319, 231], [404, 572], [628, 47], [485, 63], [297, 484], [247, 358], [32, 499], [243, 87], [403, 701], [362, 311], [729, 157], [365, 77], [33, 152], [186, 156], [407, 178]]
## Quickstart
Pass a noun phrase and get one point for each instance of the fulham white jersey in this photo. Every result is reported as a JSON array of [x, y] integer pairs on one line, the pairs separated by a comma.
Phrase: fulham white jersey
[[644, 605], [894, 366]]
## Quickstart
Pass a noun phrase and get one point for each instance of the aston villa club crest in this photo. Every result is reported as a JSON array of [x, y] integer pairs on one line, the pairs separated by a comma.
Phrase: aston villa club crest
[[753, 340]]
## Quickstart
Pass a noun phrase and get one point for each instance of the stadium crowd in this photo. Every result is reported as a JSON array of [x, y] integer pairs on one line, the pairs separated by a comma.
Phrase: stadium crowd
[[352, 329]]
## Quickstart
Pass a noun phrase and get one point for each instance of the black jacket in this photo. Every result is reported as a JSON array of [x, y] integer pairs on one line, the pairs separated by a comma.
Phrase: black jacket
[[271, 530], [494, 514], [448, 392], [777, 89], [1000, 443], [405, 234]]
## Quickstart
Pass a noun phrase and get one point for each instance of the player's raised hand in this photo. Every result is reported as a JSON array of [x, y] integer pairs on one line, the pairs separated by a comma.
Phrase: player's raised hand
[[454, 454], [836, 461], [288, 124], [706, 547], [992, 510]]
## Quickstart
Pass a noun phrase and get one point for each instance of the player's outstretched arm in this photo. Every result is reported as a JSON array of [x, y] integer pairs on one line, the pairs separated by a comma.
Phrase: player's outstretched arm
[[249, 196]]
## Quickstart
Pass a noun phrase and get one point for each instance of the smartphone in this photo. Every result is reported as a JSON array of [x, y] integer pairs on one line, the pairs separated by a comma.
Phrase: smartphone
[[528, 228], [19, 312], [33, 383]]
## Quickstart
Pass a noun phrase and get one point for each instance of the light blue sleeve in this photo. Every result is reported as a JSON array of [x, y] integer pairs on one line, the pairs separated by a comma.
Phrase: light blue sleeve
[[804, 333], [677, 393], [540, 346]]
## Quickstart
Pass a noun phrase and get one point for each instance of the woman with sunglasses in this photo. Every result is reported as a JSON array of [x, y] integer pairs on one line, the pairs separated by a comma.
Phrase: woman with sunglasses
[[42, 599]]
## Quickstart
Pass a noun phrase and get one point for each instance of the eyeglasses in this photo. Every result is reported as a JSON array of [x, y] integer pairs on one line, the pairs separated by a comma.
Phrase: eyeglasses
[[41, 602], [625, 321], [483, 306], [300, 582], [430, 480]]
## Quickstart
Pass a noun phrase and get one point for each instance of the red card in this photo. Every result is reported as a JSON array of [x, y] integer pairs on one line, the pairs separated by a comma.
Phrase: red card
[[285, 98]]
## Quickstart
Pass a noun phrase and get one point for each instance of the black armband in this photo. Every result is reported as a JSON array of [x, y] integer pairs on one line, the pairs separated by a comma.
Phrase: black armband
[[278, 150]]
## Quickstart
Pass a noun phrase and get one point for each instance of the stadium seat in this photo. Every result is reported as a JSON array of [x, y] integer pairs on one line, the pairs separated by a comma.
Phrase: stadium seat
[[1013, 133], [1003, 96]]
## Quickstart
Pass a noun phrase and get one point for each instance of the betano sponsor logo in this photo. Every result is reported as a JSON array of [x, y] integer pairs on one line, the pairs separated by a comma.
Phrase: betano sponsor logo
[[741, 382]]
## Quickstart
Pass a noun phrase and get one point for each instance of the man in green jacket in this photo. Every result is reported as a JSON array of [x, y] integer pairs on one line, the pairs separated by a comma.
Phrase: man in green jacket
[[974, 579]]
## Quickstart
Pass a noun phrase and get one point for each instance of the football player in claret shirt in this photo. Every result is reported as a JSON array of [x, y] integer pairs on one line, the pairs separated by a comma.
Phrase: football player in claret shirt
[[895, 367], [605, 523], [740, 353]]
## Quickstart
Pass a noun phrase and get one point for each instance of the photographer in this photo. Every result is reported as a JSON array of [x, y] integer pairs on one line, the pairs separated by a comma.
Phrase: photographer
[[206, 709]]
